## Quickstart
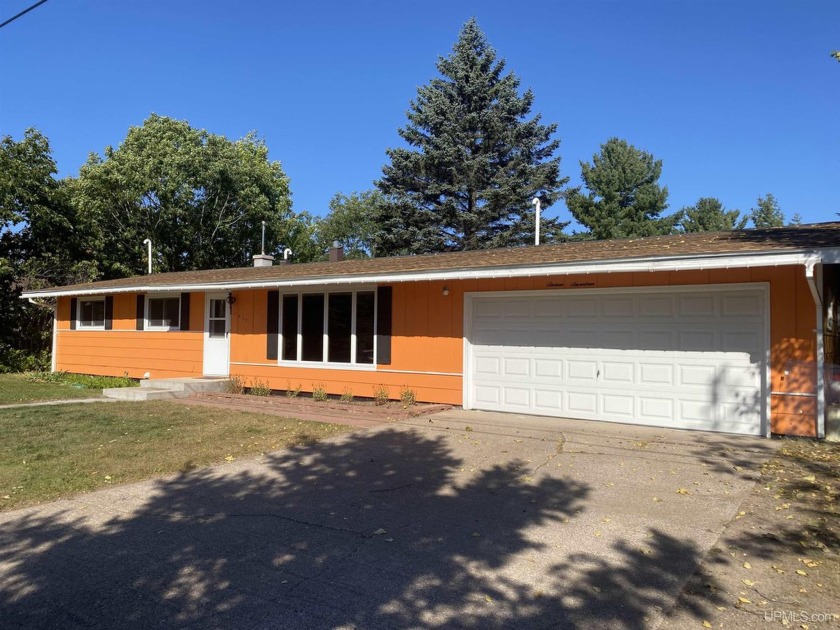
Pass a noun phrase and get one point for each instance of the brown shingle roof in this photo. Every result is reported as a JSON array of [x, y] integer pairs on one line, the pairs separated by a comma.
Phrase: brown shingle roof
[[787, 239]]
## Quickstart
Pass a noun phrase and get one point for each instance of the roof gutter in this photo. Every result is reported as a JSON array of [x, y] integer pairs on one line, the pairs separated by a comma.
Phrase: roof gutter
[[810, 266], [682, 263]]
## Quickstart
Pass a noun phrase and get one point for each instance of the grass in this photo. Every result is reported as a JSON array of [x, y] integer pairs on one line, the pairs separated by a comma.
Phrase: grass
[[21, 388], [50, 452]]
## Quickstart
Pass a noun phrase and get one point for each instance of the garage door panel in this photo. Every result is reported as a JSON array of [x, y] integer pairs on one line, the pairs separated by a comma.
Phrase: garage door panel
[[516, 367], [548, 368], [656, 374], [516, 397], [619, 307], [582, 402], [658, 306], [618, 373], [656, 409], [693, 359], [697, 340], [582, 371], [548, 399], [742, 305], [694, 306], [577, 308], [616, 405]]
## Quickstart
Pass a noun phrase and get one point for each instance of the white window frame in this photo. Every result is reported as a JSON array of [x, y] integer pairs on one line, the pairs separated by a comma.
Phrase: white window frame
[[148, 307], [326, 363], [78, 314]]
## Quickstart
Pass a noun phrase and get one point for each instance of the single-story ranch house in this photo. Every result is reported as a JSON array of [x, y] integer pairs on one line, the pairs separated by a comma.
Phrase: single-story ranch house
[[718, 331]]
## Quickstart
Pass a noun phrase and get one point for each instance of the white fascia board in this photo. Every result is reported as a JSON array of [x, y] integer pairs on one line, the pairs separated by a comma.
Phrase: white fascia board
[[682, 263]]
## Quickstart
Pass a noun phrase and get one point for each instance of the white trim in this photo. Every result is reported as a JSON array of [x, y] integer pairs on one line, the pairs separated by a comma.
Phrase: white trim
[[648, 264], [347, 366], [54, 360], [813, 275], [326, 294], [228, 317], [78, 314], [471, 296], [159, 295]]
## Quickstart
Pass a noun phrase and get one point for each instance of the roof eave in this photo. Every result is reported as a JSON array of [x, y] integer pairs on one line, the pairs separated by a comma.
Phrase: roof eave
[[627, 265]]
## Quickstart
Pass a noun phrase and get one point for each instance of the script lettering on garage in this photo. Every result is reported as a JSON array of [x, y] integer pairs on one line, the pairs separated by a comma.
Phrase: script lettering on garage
[[574, 285]]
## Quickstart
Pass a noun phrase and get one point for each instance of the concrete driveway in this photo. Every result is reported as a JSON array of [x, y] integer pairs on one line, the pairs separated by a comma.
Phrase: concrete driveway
[[463, 519]]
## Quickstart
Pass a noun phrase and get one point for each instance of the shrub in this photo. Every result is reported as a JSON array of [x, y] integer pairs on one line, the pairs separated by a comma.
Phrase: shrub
[[235, 385], [292, 392], [319, 392], [347, 395], [82, 381], [259, 388], [407, 396], [381, 394]]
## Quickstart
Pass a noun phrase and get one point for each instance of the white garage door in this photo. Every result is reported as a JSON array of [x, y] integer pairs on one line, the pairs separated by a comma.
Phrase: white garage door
[[670, 357]]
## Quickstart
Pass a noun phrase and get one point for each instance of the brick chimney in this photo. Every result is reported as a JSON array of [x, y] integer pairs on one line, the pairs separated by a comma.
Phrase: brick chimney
[[336, 252]]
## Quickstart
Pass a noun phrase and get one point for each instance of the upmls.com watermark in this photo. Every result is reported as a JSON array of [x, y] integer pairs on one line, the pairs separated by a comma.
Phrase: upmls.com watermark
[[800, 616]]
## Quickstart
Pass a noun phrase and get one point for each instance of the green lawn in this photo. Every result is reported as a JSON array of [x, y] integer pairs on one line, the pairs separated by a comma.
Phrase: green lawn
[[18, 388], [50, 452]]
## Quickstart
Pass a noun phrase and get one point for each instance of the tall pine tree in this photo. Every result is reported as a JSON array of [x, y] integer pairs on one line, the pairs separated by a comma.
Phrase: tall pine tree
[[475, 163], [625, 199], [767, 213]]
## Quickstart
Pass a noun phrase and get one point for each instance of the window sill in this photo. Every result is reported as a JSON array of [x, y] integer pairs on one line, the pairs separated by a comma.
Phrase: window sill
[[321, 365]]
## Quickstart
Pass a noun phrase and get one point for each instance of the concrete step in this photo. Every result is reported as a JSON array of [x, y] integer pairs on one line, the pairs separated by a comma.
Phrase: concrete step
[[143, 393], [188, 385]]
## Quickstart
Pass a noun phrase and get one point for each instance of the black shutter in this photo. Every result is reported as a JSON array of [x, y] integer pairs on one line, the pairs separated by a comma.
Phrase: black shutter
[[74, 312], [141, 312], [109, 312], [185, 311], [384, 297], [272, 325]]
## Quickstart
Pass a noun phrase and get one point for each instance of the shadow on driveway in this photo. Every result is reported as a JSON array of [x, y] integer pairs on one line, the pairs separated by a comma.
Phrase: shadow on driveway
[[403, 526]]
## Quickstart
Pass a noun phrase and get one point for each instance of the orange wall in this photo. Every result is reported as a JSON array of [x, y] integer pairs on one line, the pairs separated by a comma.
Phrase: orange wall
[[427, 339], [125, 350]]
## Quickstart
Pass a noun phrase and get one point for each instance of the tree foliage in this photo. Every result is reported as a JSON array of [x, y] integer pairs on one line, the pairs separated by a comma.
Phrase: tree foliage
[[624, 199], [352, 222], [767, 213], [43, 242], [198, 196], [475, 160], [709, 215]]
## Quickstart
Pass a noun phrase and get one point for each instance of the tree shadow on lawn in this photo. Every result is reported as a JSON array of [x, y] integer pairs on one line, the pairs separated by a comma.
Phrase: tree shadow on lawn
[[374, 530]]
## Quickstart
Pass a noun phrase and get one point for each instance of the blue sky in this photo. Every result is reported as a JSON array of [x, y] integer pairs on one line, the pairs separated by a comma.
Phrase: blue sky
[[737, 97]]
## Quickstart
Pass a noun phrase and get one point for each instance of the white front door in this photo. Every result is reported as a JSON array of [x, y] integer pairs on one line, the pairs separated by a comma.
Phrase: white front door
[[217, 335]]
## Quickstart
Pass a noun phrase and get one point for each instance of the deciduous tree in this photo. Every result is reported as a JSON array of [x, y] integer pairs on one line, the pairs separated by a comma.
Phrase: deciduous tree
[[198, 196]]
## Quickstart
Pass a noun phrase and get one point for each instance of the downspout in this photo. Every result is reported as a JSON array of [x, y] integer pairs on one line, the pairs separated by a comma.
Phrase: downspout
[[815, 292]]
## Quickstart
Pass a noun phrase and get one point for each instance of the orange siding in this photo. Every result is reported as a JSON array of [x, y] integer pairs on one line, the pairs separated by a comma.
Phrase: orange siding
[[125, 350], [427, 339]]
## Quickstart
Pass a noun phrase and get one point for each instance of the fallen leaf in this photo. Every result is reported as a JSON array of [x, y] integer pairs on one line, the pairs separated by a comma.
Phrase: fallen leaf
[[380, 531], [682, 491], [706, 624], [800, 572], [229, 458], [747, 565], [744, 600], [748, 582]]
